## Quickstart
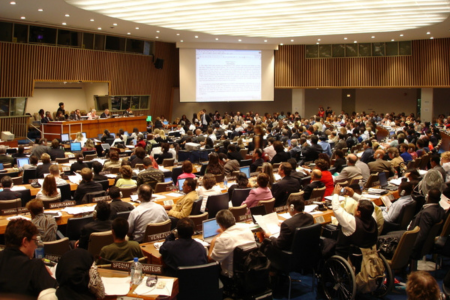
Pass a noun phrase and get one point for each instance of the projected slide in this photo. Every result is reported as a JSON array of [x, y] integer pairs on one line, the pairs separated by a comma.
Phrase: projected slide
[[228, 75]]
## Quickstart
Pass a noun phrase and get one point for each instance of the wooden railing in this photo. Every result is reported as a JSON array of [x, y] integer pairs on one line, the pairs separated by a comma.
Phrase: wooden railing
[[18, 125]]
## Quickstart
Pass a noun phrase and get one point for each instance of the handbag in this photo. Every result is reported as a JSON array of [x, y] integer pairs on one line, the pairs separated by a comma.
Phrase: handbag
[[387, 245], [95, 285]]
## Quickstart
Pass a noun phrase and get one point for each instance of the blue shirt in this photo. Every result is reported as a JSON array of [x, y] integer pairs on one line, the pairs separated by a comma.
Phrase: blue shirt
[[406, 157], [326, 147]]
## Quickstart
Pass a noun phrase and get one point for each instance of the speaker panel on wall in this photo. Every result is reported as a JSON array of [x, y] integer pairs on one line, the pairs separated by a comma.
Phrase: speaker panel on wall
[[159, 63]]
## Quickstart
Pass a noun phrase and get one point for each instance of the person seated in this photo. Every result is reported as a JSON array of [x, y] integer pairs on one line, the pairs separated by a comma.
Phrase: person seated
[[396, 159], [89, 146], [38, 149], [114, 161], [97, 167], [435, 163], [121, 249], [140, 141], [49, 191], [350, 171], [233, 154], [183, 207], [140, 155], [311, 152], [48, 118], [368, 153], [150, 175], [56, 151], [326, 147], [45, 224], [5, 159], [118, 138], [287, 185], [422, 285], [214, 167], [105, 114], [340, 160], [231, 235], [79, 138], [101, 223], [316, 177], [117, 205], [281, 155], [146, 212], [294, 174], [241, 183], [404, 153], [92, 115], [54, 171], [359, 230], [21, 275], [165, 154], [229, 165], [381, 165], [33, 163], [392, 213], [186, 167], [257, 160], [125, 180], [79, 164], [86, 185], [262, 192], [7, 194], [209, 188], [106, 135], [20, 153], [44, 168], [180, 250]]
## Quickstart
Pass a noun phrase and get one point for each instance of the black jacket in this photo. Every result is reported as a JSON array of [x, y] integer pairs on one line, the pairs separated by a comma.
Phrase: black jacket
[[56, 153], [76, 166], [118, 205], [311, 153], [280, 157], [287, 230], [42, 169], [283, 188], [7, 194], [235, 155], [310, 187], [86, 187]]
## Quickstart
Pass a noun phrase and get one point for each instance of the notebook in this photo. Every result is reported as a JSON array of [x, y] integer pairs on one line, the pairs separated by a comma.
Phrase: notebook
[[209, 228]]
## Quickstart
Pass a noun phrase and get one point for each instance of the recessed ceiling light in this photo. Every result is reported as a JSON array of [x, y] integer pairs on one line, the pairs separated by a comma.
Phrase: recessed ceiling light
[[92, 20], [12, 3], [292, 40], [392, 40], [318, 40], [317, 43], [355, 42], [217, 39], [196, 36], [428, 32], [137, 27], [115, 24], [40, 9], [265, 41], [64, 23], [373, 36], [281, 44], [181, 41], [401, 34], [128, 33], [157, 37], [67, 15], [178, 34], [99, 28], [239, 40], [23, 18], [431, 38], [157, 31], [345, 38]]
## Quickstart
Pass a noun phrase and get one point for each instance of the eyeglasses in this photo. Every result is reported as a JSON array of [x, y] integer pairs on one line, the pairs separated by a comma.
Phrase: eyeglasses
[[35, 241]]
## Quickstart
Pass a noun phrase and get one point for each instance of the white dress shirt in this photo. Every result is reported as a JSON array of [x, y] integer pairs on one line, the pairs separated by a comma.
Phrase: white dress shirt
[[146, 212]]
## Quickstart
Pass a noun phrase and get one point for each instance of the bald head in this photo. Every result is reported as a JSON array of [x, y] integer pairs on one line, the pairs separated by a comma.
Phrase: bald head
[[351, 159], [316, 175], [379, 154]]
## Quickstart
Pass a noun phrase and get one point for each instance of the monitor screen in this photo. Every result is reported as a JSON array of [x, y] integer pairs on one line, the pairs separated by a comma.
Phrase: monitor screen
[[383, 179], [210, 228], [23, 161], [1, 166], [113, 135], [106, 146], [126, 132], [64, 137], [180, 184], [84, 134], [289, 142], [167, 179], [246, 170], [75, 147], [134, 142], [166, 122], [100, 136]]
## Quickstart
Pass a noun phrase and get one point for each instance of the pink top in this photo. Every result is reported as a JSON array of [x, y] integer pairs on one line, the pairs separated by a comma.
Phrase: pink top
[[257, 195], [185, 175]]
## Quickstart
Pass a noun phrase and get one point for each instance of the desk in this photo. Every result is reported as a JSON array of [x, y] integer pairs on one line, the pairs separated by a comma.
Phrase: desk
[[92, 128], [116, 273], [73, 186]]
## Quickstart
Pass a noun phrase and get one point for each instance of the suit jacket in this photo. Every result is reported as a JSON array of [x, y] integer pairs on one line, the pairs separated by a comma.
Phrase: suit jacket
[[280, 157], [257, 163], [430, 215], [340, 145], [380, 165], [235, 155], [95, 226], [339, 163], [311, 153], [7, 194], [283, 188], [348, 173], [56, 153], [86, 187], [42, 169], [298, 176], [367, 155], [310, 187], [287, 230]]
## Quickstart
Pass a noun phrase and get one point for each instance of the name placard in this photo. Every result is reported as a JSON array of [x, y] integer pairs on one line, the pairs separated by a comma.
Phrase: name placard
[[14, 211], [102, 198], [158, 236], [280, 208], [245, 218], [54, 258], [63, 204], [319, 219], [146, 268]]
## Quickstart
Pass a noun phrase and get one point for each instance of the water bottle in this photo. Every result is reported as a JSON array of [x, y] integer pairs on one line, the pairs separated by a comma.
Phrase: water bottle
[[225, 182], [361, 185], [39, 252], [136, 272]]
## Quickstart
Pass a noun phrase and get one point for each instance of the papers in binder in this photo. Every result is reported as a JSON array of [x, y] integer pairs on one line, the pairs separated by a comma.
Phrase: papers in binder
[[269, 223]]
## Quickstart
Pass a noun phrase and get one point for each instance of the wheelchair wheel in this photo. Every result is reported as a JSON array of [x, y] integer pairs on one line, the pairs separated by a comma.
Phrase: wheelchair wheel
[[386, 283], [338, 279]]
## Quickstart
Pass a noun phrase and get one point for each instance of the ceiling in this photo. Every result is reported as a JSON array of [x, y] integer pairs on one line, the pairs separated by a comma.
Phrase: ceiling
[[242, 21]]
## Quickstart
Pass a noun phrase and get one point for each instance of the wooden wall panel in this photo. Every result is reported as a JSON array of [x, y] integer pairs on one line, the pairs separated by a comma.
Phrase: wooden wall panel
[[428, 66], [17, 125], [127, 74]]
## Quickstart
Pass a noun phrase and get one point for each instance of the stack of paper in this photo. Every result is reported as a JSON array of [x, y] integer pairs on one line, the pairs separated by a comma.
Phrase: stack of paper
[[116, 286], [310, 208], [79, 210], [18, 188], [269, 223]]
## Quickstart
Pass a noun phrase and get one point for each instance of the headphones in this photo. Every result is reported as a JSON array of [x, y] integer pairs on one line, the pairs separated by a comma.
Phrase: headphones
[[426, 198], [291, 207], [402, 193]]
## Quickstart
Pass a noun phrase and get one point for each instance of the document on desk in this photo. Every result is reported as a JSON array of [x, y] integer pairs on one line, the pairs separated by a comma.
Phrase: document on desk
[[341, 198], [111, 175], [18, 188], [174, 195], [269, 223], [161, 168], [75, 178], [163, 287], [79, 210], [285, 215], [116, 286], [310, 208]]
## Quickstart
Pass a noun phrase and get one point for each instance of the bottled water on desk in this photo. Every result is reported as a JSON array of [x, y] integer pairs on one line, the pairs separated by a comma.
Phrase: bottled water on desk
[[39, 252], [136, 272], [225, 182]]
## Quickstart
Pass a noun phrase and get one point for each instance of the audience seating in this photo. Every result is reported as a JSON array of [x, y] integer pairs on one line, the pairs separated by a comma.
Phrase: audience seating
[[62, 160], [428, 244], [196, 206], [7, 204], [90, 157], [66, 193], [10, 174], [123, 214], [239, 196], [139, 166], [243, 152], [198, 220], [57, 248], [355, 180], [127, 191], [424, 162], [238, 212], [8, 165], [176, 171], [404, 218], [28, 174], [154, 228], [161, 187], [246, 162], [114, 170], [372, 181], [17, 180], [269, 204], [317, 194], [220, 178], [97, 240], [90, 152], [48, 202], [199, 282], [216, 203], [74, 225], [168, 162], [402, 254]]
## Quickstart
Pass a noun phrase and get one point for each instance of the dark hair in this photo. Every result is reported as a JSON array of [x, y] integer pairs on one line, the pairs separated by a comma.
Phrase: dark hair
[[299, 203], [263, 180], [126, 172], [113, 155], [242, 180], [97, 167], [103, 210], [140, 152], [145, 192], [214, 167], [436, 159], [120, 227], [434, 196], [35, 207], [86, 174], [322, 164], [407, 187], [191, 182], [339, 153], [209, 180], [286, 167], [6, 181], [55, 144], [16, 230], [165, 147], [314, 139], [187, 166], [366, 208], [185, 228], [421, 285], [114, 192], [79, 157], [231, 147], [61, 104], [258, 152], [293, 163], [147, 161], [34, 160], [278, 146]]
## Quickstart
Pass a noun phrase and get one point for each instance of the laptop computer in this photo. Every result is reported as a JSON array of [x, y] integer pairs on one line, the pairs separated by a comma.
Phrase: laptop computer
[[75, 147], [1, 166], [23, 161], [106, 147], [134, 142], [113, 135], [384, 183], [245, 170], [167, 179], [180, 184], [209, 228], [259, 210], [65, 137], [99, 136]]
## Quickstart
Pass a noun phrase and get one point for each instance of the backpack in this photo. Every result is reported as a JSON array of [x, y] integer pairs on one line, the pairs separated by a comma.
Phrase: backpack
[[252, 271], [372, 270]]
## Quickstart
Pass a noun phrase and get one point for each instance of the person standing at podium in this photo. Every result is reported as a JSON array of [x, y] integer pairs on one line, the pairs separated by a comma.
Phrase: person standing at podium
[[62, 110]]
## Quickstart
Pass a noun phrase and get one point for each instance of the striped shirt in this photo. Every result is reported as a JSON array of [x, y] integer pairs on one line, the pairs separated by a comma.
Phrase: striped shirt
[[47, 227]]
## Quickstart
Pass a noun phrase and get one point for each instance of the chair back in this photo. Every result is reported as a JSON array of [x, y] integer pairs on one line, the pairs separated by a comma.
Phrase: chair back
[[7, 165], [373, 179], [239, 196], [317, 194], [7, 204], [74, 225], [203, 169], [89, 157], [177, 171], [57, 248], [198, 220], [17, 180], [62, 160], [168, 162], [216, 203], [114, 170], [305, 247], [161, 187], [239, 212], [424, 163], [87, 198], [10, 174], [343, 183], [104, 183], [48, 202], [306, 180], [196, 206], [293, 196], [127, 191], [417, 162], [97, 240], [243, 153], [65, 192], [123, 214], [199, 282], [407, 214], [355, 180], [405, 246], [110, 141], [154, 228], [446, 228], [269, 204], [90, 152], [429, 241], [28, 174], [245, 162]]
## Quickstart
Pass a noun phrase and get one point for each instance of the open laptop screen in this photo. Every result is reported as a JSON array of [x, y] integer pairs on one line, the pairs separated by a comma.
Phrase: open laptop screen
[[382, 178], [75, 147], [180, 184], [210, 228], [84, 134], [167, 179], [64, 137], [23, 161], [246, 170]]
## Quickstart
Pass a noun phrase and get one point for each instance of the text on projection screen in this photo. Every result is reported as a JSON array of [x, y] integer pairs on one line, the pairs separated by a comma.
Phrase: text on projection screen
[[228, 75]]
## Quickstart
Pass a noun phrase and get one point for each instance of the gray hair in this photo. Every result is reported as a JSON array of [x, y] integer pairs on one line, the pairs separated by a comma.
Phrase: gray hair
[[225, 218], [431, 180], [294, 143]]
